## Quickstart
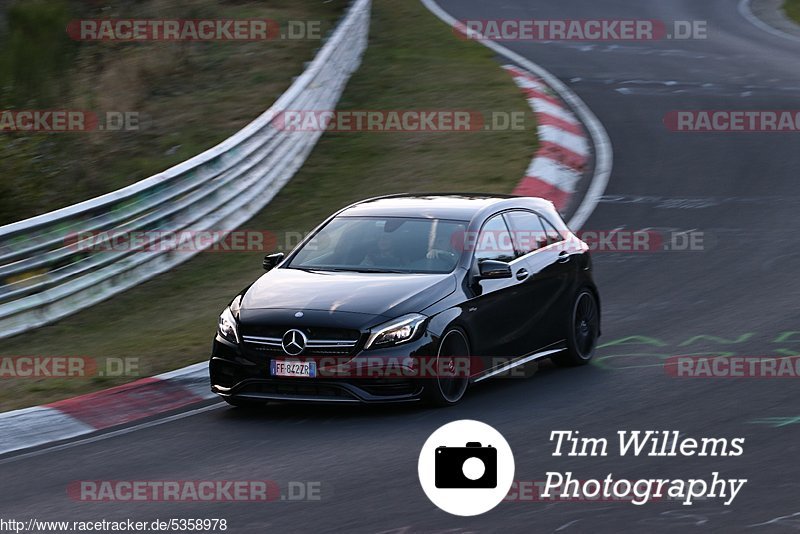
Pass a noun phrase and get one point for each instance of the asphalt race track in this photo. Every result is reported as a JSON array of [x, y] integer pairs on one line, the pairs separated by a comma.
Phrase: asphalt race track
[[738, 295]]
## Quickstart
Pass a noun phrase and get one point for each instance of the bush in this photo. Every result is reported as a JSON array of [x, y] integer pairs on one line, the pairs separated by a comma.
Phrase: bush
[[35, 52]]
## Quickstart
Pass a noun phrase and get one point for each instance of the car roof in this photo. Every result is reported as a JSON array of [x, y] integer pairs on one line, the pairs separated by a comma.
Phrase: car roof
[[456, 206]]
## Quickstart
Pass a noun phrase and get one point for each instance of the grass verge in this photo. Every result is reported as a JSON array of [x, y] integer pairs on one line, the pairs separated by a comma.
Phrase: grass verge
[[792, 9], [189, 96], [413, 62]]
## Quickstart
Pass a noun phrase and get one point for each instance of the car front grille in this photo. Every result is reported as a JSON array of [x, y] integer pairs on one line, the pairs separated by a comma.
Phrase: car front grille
[[320, 341]]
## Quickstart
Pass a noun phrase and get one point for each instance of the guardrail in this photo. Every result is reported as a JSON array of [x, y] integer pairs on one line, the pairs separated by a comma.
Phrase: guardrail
[[45, 274]]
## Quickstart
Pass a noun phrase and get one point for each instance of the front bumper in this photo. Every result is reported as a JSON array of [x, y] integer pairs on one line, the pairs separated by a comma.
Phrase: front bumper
[[244, 373]]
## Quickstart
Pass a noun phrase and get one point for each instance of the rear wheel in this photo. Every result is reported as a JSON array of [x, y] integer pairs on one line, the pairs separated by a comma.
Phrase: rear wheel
[[451, 381], [583, 331]]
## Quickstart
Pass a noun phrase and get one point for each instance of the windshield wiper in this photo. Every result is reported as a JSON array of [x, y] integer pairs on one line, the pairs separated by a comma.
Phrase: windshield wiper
[[354, 270], [325, 268], [376, 270]]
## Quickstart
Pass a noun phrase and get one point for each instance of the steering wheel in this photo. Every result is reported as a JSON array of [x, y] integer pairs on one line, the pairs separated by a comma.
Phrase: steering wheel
[[442, 255]]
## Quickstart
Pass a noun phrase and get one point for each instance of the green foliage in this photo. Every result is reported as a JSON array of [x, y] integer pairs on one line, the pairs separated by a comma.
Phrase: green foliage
[[792, 9], [35, 53]]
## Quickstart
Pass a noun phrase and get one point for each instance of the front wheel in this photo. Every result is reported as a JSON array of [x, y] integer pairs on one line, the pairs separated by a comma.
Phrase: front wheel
[[452, 375], [583, 331]]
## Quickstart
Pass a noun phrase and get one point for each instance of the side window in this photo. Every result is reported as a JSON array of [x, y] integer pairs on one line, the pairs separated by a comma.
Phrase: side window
[[494, 241], [553, 235], [526, 231]]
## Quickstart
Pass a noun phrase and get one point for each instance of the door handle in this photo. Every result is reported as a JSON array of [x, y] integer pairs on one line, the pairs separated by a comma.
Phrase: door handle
[[522, 274], [563, 256]]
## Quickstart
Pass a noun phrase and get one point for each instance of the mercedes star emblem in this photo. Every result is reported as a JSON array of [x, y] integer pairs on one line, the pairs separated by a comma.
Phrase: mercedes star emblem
[[293, 342]]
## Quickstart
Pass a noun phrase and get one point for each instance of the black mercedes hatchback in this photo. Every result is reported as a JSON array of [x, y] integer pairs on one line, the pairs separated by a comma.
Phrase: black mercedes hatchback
[[410, 297]]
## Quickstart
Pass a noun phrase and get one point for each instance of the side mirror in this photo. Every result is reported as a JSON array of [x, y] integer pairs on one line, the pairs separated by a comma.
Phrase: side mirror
[[271, 260], [493, 270]]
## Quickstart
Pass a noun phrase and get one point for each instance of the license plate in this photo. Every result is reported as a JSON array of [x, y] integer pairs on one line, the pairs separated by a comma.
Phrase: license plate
[[293, 368]]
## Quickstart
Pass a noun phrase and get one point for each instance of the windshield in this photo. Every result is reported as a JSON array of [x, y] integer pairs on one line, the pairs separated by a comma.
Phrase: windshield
[[383, 244]]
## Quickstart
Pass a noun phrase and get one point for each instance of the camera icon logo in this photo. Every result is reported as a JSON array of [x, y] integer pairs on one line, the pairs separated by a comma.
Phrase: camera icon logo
[[466, 467], [472, 466]]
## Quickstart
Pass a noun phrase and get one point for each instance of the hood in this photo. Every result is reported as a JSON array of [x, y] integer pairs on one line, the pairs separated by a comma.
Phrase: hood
[[389, 295]]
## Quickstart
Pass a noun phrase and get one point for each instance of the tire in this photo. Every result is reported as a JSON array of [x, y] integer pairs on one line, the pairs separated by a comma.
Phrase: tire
[[583, 329], [245, 404], [442, 391]]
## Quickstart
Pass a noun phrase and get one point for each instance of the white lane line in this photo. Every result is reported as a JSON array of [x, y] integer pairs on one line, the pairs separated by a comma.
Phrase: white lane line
[[604, 155], [113, 434], [570, 141], [746, 12]]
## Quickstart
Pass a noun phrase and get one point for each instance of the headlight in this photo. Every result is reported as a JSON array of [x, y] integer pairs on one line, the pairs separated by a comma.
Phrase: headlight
[[395, 332], [226, 326]]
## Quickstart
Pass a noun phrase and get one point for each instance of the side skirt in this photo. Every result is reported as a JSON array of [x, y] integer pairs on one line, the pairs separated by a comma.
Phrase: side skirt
[[516, 362]]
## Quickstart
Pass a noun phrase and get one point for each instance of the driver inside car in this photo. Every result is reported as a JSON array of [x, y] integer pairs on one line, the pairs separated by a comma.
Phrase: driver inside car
[[383, 254]]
